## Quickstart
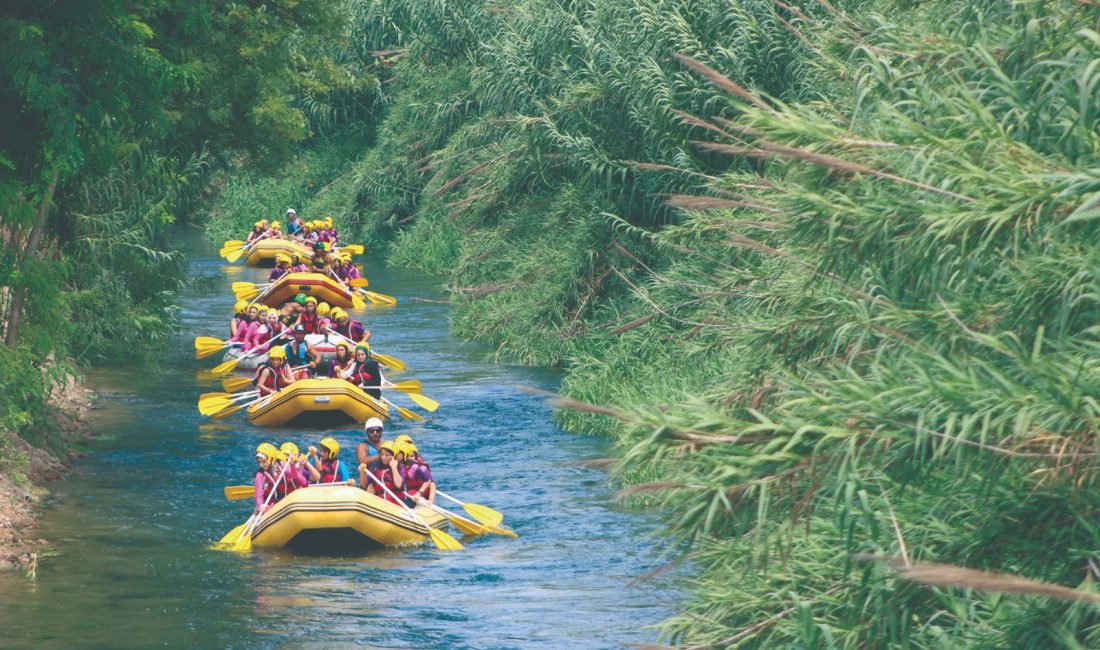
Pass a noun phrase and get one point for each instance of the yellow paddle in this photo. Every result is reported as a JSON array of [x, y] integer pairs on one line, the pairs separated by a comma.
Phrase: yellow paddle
[[469, 527], [233, 243], [379, 298], [357, 302], [483, 514], [212, 405], [424, 402], [358, 282], [393, 363], [243, 286], [238, 492], [407, 386], [247, 294], [235, 384], [354, 249], [442, 540], [202, 342], [404, 412], [244, 544], [232, 536], [206, 396], [229, 411]]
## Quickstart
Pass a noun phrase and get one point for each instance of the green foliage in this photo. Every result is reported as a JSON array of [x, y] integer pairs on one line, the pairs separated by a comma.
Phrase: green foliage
[[859, 317]]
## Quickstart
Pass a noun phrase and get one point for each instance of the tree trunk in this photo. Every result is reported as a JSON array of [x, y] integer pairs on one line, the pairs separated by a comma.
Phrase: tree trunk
[[15, 313]]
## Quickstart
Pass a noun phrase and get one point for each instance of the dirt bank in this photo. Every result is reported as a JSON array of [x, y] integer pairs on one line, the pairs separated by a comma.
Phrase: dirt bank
[[21, 489]]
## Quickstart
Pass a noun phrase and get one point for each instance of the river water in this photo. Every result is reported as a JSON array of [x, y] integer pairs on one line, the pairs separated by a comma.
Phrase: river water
[[131, 526]]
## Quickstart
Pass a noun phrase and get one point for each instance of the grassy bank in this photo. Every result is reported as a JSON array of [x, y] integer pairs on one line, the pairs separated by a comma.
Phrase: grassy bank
[[829, 273]]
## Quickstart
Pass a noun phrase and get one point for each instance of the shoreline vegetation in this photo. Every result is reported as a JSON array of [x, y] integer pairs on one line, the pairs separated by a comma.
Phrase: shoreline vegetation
[[826, 272]]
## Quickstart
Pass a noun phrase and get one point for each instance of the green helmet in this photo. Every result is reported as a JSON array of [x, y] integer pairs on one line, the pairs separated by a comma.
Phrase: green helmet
[[300, 299]]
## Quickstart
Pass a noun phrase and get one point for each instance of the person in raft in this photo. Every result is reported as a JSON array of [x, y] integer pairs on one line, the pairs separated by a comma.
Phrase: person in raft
[[319, 263], [246, 328], [259, 231], [418, 475], [343, 325], [282, 267], [304, 470], [310, 319], [271, 478], [341, 363], [297, 265], [329, 467], [388, 471], [273, 375], [269, 328], [293, 222], [366, 452], [289, 312], [366, 372], [300, 353], [240, 316]]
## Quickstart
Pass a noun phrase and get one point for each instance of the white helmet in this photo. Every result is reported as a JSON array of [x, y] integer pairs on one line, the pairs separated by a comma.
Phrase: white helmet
[[372, 424], [290, 211]]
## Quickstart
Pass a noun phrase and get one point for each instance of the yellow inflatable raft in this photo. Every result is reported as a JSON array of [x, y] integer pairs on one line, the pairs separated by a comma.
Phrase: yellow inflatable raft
[[326, 289], [341, 518], [264, 252], [317, 401]]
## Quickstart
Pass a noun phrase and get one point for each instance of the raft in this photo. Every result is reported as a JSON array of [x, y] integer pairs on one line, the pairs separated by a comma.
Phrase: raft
[[325, 347], [264, 252], [321, 286], [341, 518], [317, 401]]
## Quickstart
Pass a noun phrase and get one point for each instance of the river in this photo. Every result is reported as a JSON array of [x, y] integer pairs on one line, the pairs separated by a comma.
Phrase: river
[[130, 527]]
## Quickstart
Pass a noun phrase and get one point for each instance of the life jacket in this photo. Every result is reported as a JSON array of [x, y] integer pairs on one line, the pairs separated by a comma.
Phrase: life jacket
[[274, 380], [350, 330], [329, 469], [276, 273], [413, 482], [301, 357], [236, 319], [282, 487], [385, 475], [309, 321]]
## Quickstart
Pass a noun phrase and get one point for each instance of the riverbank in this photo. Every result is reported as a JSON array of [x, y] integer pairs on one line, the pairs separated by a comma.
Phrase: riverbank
[[23, 483]]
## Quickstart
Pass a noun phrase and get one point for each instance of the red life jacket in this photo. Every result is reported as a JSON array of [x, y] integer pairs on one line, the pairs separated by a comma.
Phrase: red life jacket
[[309, 321], [328, 469], [274, 380], [385, 475], [282, 487]]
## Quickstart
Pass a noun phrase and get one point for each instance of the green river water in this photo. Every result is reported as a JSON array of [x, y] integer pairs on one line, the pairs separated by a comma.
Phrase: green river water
[[130, 527]]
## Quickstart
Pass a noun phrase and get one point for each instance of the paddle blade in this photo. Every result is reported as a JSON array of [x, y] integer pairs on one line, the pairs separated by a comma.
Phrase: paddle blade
[[237, 383], [232, 536], [443, 541], [233, 243], [409, 415], [233, 255], [354, 249], [212, 406], [206, 396], [238, 492], [203, 342], [424, 402], [503, 531], [467, 527], [207, 352], [408, 386], [483, 514], [226, 366], [244, 544], [380, 298], [393, 363], [247, 294], [229, 411], [357, 302], [242, 286], [358, 282]]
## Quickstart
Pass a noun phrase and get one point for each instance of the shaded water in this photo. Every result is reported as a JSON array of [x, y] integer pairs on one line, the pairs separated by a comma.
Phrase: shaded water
[[132, 523]]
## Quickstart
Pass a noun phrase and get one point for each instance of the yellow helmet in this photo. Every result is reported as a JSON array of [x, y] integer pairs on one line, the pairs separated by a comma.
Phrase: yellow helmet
[[338, 313], [275, 225], [278, 352], [280, 258], [328, 442], [403, 439], [240, 307], [267, 449], [258, 224], [388, 446], [323, 309], [410, 449], [289, 449], [328, 221], [312, 299]]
